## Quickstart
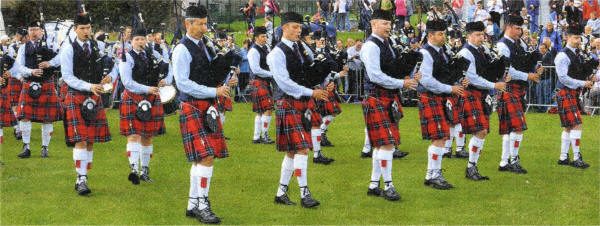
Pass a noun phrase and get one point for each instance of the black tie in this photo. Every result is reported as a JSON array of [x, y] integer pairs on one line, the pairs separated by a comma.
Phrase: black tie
[[86, 49], [142, 56], [297, 51], [443, 55], [202, 49]]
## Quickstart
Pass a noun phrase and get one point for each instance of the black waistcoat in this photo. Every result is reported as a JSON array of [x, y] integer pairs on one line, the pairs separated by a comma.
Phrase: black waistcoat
[[34, 56], [386, 60], [87, 68], [144, 72]]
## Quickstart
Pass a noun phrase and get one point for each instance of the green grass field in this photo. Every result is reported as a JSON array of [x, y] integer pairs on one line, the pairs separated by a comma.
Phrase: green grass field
[[40, 191]]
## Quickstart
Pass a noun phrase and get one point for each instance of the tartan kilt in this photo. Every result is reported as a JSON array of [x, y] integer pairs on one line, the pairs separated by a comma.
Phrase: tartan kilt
[[329, 107], [457, 114], [224, 104], [130, 125], [7, 116], [434, 125], [262, 99], [474, 118], [291, 135], [511, 116], [78, 129], [45, 108], [198, 142], [380, 128], [63, 93], [14, 85], [568, 110]]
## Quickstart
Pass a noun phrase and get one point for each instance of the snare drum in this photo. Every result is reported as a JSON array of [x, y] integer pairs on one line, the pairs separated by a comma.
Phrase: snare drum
[[167, 98]]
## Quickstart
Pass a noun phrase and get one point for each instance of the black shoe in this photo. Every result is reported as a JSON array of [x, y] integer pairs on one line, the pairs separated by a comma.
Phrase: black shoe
[[26, 153], [226, 138], [194, 213], [375, 192], [283, 199], [447, 154], [82, 188], [564, 162], [45, 152], [391, 194], [366, 155], [515, 167], [134, 178], [321, 159], [309, 202], [208, 217], [266, 139], [324, 141], [144, 176], [462, 154], [18, 135], [257, 141], [439, 182], [399, 154], [1, 163], [473, 174], [504, 168], [579, 164]]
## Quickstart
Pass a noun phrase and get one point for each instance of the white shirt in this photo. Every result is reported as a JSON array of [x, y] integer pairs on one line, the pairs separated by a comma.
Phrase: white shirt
[[475, 79], [277, 63], [66, 68], [481, 15], [254, 63], [427, 79], [181, 70], [505, 51], [562, 63], [370, 55]]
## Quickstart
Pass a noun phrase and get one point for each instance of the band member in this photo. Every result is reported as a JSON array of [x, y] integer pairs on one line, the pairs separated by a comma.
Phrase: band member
[[7, 117], [38, 101], [306, 38], [570, 68], [382, 110], [201, 130], [294, 114], [476, 120], [262, 98], [223, 103], [511, 115], [434, 93], [141, 108], [85, 117], [12, 85]]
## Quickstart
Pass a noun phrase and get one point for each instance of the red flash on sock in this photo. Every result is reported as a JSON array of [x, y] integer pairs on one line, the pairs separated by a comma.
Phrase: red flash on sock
[[327, 122], [460, 134], [383, 163], [474, 149], [128, 154], [319, 138], [89, 166], [77, 163], [434, 157], [150, 155], [203, 182], [2, 140], [577, 142], [298, 172], [265, 124], [516, 144], [51, 133]]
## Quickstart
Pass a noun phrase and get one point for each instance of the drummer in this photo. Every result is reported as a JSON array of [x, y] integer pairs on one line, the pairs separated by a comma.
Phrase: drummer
[[141, 108]]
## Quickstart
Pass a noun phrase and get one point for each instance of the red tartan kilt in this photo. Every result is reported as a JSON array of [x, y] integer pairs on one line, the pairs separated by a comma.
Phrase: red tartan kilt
[[130, 125], [198, 142], [511, 116], [381, 130], [224, 104], [14, 85], [63, 93], [568, 110], [474, 119], [262, 100], [315, 117], [78, 129], [291, 135], [434, 125], [456, 110], [7, 117], [329, 107], [45, 108]]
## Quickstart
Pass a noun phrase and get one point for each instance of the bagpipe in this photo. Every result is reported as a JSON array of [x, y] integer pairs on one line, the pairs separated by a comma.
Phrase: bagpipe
[[225, 60], [457, 65], [319, 68], [585, 69], [406, 59], [496, 68]]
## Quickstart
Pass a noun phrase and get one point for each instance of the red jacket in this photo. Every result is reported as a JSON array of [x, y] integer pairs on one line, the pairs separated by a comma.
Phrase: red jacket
[[589, 8]]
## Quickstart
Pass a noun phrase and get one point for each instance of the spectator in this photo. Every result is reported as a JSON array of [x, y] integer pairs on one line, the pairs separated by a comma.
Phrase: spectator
[[573, 13], [553, 35], [269, 25], [533, 12], [244, 75], [514, 5], [471, 11], [400, 13], [408, 30], [492, 30], [457, 6], [543, 91], [587, 36], [270, 8], [594, 24], [250, 13], [324, 7], [526, 18], [348, 13], [556, 5], [342, 13], [589, 6], [333, 13], [409, 9], [349, 43], [480, 13], [495, 6], [355, 67]]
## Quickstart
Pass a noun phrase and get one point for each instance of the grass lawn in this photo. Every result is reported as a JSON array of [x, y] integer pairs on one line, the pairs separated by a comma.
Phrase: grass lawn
[[40, 191]]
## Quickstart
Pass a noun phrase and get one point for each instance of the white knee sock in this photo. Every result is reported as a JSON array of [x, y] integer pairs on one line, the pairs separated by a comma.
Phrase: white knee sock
[[193, 195], [90, 159], [257, 127], [515, 143], [287, 169], [266, 122], [300, 165], [47, 133], [434, 160], [475, 146], [459, 136], [26, 131], [448, 143], [204, 175], [222, 118], [367, 146], [80, 156], [315, 134], [133, 153], [146, 155], [1, 135], [17, 128], [376, 171], [575, 136], [565, 142], [326, 121], [505, 150], [385, 159]]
